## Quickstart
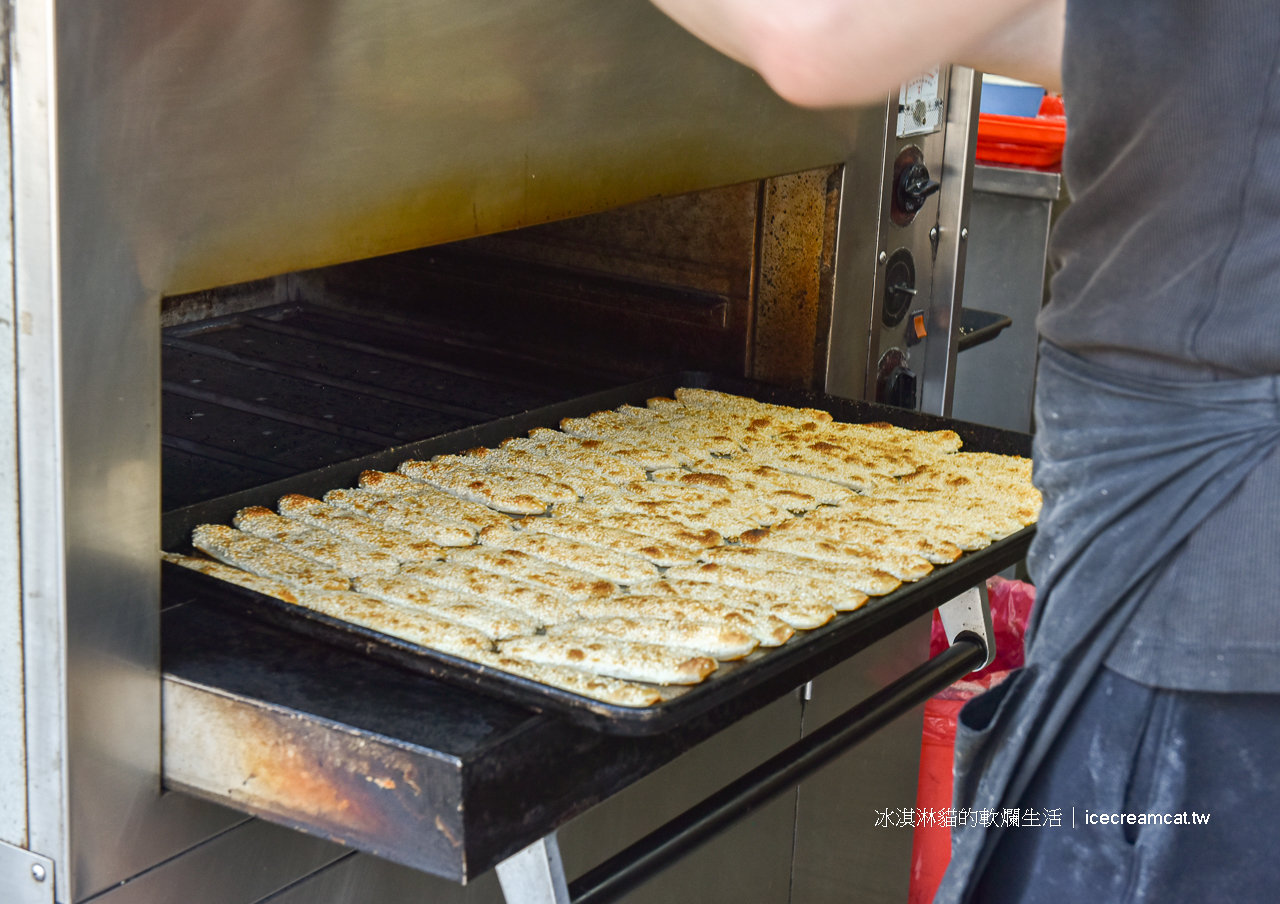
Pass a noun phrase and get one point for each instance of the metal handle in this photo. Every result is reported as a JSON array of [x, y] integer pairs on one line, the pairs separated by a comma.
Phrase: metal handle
[[700, 823]]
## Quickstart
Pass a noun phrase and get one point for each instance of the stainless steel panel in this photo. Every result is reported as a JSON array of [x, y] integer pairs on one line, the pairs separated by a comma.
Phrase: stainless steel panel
[[938, 378], [749, 862], [13, 768], [361, 879], [240, 866], [260, 136], [1017, 183], [862, 223], [1008, 242], [38, 359], [163, 147], [840, 856], [25, 878]]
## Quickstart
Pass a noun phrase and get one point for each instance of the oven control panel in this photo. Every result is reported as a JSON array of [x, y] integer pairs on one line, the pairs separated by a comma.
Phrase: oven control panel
[[927, 173]]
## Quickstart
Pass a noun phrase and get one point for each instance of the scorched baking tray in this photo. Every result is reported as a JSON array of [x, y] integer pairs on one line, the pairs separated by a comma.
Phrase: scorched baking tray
[[762, 676]]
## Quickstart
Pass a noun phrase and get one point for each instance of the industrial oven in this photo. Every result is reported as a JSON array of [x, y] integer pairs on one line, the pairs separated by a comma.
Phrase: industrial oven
[[258, 239]]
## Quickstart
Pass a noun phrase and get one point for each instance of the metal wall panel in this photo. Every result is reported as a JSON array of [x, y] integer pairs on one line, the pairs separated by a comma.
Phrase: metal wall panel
[[240, 866], [1008, 241], [13, 769], [840, 855], [751, 861]]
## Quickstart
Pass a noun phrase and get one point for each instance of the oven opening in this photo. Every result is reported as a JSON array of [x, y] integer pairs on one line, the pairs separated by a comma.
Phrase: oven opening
[[280, 376]]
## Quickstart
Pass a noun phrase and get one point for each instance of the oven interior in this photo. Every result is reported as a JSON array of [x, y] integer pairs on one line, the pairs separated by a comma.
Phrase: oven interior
[[276, 377]]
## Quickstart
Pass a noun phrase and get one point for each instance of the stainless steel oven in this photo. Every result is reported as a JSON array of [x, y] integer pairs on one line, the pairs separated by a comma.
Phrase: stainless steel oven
[[550, 170]]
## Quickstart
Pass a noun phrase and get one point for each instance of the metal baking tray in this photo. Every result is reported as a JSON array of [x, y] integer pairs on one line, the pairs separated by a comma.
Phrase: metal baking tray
[[766, 673]]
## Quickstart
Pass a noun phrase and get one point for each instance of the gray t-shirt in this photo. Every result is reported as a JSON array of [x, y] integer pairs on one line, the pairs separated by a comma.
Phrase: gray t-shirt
[[1170, 269]]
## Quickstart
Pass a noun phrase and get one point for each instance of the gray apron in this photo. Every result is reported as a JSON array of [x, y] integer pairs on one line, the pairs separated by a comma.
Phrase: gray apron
[[1129, 467]]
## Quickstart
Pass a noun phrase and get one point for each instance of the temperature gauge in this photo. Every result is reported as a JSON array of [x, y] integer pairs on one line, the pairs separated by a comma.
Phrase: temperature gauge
[[920, 105]]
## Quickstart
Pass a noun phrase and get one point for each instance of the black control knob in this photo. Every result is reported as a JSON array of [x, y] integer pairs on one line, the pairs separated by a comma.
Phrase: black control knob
[[896, 383], [914, 187], [899, 287]]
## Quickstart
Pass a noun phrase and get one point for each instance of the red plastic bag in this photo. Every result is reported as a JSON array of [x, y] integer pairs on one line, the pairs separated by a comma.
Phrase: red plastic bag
[[1011, 603]]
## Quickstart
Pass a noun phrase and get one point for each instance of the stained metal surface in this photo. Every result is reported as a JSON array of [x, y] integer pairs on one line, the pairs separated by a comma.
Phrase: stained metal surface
[[794, 282], [432, 776], [40, 476]]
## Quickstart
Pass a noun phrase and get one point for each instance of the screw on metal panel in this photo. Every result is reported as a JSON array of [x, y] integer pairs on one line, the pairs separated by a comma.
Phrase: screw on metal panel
[[884, 256], [808, 690], [37, 872], [964, 234], [933, 234]]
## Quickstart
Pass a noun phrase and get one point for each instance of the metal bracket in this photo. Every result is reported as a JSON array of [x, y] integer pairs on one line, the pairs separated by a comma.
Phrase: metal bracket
[[25, 878], [534, 875], [970, 611]]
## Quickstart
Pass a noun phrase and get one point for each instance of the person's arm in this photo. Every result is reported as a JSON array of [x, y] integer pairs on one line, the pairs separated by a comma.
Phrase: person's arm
[[834, 52]]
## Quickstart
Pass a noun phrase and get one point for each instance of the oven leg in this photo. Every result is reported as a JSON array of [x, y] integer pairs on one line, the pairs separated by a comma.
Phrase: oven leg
[[534, 875], [970, 611]]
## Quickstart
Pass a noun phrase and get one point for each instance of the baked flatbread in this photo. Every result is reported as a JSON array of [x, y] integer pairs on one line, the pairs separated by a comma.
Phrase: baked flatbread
[[266, 559], [902, 566], [848, 587], [493, 621], [797, 612], [319, 545], [710, 640], [518, 492], [406, 513], [562, 447], [265, 586], [357, 528], [606, 563], [867, 534], [662, 604], [412, 625], [596, 687], [568, 582], [606, 536], [649, 663], [743, 492], [532, 599], [579, 478], [818, 593]]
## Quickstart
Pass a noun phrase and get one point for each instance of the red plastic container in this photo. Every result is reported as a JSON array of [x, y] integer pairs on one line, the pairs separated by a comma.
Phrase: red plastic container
[[1022, 140]]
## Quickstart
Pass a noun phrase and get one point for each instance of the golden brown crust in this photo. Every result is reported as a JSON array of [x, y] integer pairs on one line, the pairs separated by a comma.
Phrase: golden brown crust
[[240, 578], [628, 661], [312, 543], [606, 536], [266, 559], [462, 609], [715, 641], [568, 582]]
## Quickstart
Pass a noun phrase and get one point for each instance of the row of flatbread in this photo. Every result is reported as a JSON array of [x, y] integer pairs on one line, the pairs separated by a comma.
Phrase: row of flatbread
[[634, 549]]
